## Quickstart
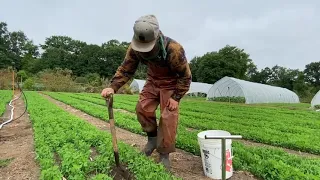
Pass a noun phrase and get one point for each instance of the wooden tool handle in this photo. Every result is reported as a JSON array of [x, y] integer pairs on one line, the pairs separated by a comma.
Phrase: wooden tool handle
[[110, 106], [113, 129]]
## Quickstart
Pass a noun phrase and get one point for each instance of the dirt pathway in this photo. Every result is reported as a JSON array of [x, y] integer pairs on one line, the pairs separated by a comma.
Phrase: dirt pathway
[[16, 146], [184, 164]]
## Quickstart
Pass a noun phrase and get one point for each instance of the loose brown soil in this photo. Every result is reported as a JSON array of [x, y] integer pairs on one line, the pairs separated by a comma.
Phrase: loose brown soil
[[93, 153], [121, 173], [57, 159], [190, 129], [184, 164], [16, 143]]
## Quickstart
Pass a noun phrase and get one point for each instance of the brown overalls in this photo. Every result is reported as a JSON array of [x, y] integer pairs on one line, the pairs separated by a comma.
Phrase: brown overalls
[[157, 90], [164, 79], [159, 87]]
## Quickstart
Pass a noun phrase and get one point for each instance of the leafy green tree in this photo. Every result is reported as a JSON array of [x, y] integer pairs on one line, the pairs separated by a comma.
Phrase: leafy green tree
[[283, 77], [22, 75], [113, 56], [5, 56], [236, 60], [228, 61], [29, 84], [251, 70], [14, 46], [312, 73], [194, 66], [262, 76]]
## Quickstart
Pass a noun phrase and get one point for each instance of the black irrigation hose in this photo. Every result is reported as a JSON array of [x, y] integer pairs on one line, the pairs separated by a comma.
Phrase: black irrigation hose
[[26, 103]]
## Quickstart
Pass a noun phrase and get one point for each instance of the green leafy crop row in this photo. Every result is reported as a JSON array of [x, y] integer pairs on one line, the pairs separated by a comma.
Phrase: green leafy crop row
[[267, 163], [229, 99], [64, 146], [5, 97], [264, 125]]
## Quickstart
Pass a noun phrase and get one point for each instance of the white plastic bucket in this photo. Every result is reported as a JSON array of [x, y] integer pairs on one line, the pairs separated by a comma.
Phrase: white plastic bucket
[[211, 154]]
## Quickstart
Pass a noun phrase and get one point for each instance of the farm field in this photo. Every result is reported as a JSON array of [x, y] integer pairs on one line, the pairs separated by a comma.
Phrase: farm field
[[67, 141], [252, 159], [67, 146], [267, 125]]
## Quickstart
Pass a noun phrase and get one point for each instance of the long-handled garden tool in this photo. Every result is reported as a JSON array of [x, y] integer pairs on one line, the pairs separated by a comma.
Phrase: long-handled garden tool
[[120, 170], [109, 102]]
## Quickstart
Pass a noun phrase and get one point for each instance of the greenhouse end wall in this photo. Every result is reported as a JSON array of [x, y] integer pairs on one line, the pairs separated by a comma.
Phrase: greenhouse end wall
[[316, 100], [137, 85], [252, 92], [197, 87]]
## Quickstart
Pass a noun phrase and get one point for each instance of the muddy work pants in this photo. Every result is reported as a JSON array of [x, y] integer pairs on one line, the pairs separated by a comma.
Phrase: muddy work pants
[[150, 97]]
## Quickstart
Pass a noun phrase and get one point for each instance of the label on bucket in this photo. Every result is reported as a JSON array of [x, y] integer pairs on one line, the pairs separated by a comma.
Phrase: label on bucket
[[207, 162], [228, 161]]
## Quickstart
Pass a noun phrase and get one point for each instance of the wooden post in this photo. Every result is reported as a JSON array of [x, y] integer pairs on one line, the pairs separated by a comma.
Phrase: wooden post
[[12, 82]]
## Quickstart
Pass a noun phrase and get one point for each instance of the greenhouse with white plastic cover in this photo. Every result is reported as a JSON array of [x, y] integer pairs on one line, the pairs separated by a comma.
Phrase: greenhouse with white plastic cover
[[198, 89], [315, 102], [250, 92], [137, 85]]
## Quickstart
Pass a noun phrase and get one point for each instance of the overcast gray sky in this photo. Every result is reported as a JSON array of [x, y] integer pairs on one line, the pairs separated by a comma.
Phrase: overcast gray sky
[[283, 32]]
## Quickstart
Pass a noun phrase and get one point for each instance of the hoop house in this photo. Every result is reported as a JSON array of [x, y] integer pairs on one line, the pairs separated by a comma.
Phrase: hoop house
[[316, 99], [197, 87], [137, 85], [252, 92]]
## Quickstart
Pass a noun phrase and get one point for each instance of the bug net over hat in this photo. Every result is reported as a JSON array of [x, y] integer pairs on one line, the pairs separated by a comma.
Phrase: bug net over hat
[[146, 32]]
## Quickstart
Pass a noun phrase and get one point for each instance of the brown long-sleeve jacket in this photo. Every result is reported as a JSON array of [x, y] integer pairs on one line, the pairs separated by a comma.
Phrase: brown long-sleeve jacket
[[177, 62]]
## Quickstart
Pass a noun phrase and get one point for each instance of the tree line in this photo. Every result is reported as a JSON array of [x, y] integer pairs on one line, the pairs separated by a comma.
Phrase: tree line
[[235, 62], [89, 63]]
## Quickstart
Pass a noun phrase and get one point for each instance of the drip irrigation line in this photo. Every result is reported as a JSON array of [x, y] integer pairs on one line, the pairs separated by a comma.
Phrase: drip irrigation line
[[25, 110]]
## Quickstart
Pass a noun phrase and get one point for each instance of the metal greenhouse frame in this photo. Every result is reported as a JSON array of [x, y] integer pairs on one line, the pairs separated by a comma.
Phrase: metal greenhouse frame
[[252, 92]]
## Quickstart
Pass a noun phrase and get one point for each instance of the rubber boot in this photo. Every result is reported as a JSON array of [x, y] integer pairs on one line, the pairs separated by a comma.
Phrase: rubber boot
[[164, 159], [150, 146]]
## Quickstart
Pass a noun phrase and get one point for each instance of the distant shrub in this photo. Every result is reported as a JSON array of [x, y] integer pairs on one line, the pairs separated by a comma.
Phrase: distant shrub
[[29, 84], [125, 89], [81, 80], [317, 106], [227, 99], [58, 80], [5, 79]]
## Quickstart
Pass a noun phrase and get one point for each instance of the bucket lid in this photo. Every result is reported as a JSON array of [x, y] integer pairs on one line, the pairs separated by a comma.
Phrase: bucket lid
[[202, 134]]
